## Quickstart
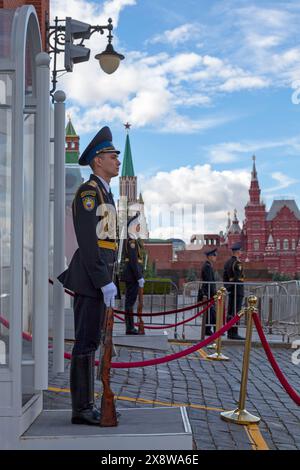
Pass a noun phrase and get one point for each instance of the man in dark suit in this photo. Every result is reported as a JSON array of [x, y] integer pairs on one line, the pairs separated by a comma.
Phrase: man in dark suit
[[133, 271], [233, 278], [208, 288], [90, 273]]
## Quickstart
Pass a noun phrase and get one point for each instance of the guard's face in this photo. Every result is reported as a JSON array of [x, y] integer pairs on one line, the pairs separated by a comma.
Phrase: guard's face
[[109, 163]]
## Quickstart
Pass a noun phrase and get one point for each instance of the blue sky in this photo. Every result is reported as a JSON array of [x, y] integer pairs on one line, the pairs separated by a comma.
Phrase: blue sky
[[205, 85]]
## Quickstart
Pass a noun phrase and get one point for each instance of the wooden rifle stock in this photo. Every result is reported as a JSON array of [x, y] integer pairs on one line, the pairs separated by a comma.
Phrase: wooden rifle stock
[[108, 416], [140, 311]]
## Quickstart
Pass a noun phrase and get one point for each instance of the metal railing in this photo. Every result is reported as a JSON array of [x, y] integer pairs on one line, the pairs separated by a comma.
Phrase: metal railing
[[278, 304]]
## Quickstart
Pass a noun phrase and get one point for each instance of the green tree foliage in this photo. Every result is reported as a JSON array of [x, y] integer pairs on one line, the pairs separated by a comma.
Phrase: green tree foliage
[[191, 275]]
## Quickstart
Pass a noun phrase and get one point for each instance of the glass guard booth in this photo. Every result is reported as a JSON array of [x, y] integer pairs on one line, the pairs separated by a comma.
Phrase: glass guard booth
[[24, 213]]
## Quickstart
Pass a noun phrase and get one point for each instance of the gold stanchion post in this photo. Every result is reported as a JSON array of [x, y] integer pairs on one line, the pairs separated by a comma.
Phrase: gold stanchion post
[[220, 300], [240, 415]]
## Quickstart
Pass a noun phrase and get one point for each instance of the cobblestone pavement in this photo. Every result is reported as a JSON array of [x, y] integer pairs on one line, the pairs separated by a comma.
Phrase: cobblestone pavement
[[206, 388]]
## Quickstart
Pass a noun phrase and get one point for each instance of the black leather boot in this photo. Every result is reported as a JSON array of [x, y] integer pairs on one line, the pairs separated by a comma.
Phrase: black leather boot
[[82, 390], [208, 331], [233, 333], [130, 329]]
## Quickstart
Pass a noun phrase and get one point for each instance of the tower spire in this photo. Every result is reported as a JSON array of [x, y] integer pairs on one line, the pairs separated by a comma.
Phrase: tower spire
[[228, 222], [127, 167], [254, 190], [128, 181], [254, 172]]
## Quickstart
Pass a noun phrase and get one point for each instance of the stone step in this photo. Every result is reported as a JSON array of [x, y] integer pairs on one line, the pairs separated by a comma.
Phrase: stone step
[[138, 429]]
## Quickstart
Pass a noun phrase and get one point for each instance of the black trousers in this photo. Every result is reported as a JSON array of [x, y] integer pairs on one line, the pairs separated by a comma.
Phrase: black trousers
[[234, 306], [88, 321], [132, 290]]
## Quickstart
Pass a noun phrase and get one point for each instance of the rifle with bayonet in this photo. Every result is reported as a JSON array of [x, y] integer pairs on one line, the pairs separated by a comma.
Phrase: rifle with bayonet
[[108, 416]]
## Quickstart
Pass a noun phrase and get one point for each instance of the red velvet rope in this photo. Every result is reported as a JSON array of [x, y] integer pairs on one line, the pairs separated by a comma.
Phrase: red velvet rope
[[288, 388], [25, 336], [172, 357], [159, 360], [167, 312], [67, 291], [161, 327], [124, 365]]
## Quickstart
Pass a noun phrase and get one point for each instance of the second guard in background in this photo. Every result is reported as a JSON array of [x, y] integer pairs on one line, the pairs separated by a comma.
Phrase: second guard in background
[[208, 288], [233, 278], [133, 271]]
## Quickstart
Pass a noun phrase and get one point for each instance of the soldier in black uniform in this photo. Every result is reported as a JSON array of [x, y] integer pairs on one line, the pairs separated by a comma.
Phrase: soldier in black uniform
[[133, 271], [233, 272], [208, 288], [90, 273]]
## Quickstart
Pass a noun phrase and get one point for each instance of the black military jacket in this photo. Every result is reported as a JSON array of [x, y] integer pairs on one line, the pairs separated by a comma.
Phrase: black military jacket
[[133, 269], [91, 266], [234, 272], [208, 274]]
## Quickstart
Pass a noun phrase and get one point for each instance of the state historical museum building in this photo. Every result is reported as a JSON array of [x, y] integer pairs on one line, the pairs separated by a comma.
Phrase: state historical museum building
[[271, 237]]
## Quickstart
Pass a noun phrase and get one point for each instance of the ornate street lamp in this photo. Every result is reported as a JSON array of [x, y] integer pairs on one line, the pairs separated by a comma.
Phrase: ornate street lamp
[[61, 37]]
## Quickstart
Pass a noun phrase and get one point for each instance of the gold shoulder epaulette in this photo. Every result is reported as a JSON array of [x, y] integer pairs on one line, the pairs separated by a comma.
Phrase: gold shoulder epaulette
[[92, 183]]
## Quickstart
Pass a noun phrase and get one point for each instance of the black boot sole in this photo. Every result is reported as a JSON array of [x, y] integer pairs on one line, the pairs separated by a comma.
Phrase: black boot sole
[[78, 420]]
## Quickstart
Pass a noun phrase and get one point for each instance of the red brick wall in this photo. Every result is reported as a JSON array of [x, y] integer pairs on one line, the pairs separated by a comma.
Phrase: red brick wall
[[187, 259], [10, 3], [160, 253], [42, 9]]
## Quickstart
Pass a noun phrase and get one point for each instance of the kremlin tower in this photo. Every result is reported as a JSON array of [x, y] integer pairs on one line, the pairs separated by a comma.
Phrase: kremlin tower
[[129, 203]]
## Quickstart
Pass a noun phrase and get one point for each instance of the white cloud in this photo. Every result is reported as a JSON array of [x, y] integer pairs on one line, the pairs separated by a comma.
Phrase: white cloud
[[186, 188], [266, 38], [263, 41], [240, 83], [284, 181], [148, 89], [152, 90], [265, 17], [90, 12], [185, 125], [178, 35], [145, 90], [227, 152]]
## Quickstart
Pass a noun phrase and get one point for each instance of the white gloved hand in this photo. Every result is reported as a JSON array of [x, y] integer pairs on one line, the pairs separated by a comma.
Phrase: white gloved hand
[[109, 293], [141, 282]]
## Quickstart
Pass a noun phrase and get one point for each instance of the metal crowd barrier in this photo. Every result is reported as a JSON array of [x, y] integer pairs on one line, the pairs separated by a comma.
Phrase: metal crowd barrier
[[278, 304]]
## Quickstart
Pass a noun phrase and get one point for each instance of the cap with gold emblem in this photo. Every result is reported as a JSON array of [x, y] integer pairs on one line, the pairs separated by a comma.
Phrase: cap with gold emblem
[[101, 143]]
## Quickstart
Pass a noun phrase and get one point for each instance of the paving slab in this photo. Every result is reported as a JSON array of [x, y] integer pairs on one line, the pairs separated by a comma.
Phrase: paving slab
[[138, 428], [151, 340]]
